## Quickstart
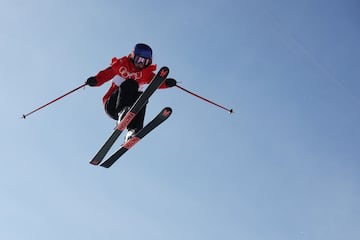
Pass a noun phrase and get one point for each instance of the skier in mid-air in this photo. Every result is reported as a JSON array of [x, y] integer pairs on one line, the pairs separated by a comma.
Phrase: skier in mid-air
[[125, 103], [128, 75]]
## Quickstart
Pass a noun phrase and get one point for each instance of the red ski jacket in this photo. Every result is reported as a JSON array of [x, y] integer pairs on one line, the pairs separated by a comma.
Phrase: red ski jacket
[[121, 70]]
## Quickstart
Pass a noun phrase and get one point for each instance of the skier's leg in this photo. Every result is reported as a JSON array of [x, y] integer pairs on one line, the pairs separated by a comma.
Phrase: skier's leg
[[127, 95], [138, 122], [110, 105]]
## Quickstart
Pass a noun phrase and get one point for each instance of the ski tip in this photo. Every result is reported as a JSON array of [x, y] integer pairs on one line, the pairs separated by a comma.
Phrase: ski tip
[[166, 112], [164, 71], [164, 67]]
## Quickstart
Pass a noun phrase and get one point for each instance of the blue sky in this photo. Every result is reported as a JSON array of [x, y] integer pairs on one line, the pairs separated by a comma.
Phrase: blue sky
[[284, 166]]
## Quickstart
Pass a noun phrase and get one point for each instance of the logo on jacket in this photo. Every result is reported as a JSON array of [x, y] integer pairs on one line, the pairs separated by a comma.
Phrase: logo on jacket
[[124, 73]]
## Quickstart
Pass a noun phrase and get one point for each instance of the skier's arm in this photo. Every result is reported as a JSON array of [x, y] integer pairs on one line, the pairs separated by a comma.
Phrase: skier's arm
[[102, 77], [106, 74]]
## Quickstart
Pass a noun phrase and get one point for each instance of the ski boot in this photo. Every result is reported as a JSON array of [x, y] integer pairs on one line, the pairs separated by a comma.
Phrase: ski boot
[[130, 134], [122, 114]]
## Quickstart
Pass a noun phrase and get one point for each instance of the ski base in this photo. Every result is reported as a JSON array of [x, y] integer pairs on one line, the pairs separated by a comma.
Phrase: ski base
[[160, 118]]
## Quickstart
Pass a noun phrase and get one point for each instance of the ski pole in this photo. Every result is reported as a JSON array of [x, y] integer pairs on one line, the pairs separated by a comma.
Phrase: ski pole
[[56, 99], [207, 100]]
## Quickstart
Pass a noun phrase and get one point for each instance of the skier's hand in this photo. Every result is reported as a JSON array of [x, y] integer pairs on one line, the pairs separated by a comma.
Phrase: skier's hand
[[91, 81], [170, 82]]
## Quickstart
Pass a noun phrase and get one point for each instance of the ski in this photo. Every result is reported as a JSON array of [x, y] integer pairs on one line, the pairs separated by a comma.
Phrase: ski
[[137, 106], [160, 118]]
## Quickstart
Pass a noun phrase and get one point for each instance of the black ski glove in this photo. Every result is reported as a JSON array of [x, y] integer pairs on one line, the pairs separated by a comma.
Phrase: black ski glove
[[170, 82], [91, 81]]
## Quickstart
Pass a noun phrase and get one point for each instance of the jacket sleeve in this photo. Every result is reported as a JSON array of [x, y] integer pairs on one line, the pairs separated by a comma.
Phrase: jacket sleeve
[[149, 73], [110, 72], [163, 85], [104, 76]]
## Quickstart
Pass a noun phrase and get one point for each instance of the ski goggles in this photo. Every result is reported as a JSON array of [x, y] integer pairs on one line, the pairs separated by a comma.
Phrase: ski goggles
[[141, 60]]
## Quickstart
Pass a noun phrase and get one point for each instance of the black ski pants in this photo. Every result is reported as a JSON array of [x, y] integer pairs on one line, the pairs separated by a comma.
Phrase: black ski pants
[[126, 96]]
